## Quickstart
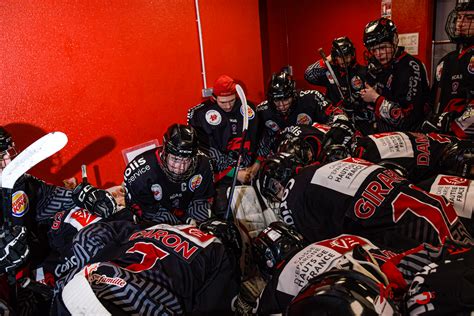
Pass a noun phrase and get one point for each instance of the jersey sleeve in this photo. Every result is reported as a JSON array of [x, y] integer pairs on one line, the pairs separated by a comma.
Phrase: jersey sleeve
[[316, 73], [51, 198]]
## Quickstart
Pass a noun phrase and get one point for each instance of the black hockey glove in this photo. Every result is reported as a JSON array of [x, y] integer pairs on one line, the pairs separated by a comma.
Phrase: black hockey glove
[[13, 247], [438, 124], [97, 201], [341, 133], [458, 159]]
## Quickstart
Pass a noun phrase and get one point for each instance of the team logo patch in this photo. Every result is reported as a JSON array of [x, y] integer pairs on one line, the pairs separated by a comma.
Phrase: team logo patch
[[195, 182], [356, 83], [272, 125], [304, 119], [20, 204], [213, 117], [330, 78], [439, 71], [455, 86], [470, 67], [250, 112], [157, 191]]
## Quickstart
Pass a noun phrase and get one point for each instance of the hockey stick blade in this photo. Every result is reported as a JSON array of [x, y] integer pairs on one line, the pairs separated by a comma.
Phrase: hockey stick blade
[[242, 97], [41, 149]]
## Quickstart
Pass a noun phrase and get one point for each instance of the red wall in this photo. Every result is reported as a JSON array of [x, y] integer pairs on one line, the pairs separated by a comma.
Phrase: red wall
[[117, 74], [308, 25]]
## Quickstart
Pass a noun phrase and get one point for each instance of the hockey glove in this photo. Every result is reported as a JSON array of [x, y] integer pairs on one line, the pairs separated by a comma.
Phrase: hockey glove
[[97, 201], [438, 123], [458, 159], [13, 247], [341, 133]]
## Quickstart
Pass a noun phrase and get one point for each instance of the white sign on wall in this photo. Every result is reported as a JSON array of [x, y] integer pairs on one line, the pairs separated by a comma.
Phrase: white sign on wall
[[410, 41]]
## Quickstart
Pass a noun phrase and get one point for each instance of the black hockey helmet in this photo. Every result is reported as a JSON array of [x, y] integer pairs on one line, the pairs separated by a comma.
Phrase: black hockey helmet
[[459, 24], [298, 147], [342, 292], [274, 174], [226, 231], [458, 159], [274, 244], [282, 86], [341, 47], [7, 146], [180, 141], [379, 31]]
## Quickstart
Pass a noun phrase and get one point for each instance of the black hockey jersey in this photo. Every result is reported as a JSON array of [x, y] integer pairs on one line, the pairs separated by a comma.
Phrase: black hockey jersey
[[404, 93], [150, 193], [220, 134], [355, 196]]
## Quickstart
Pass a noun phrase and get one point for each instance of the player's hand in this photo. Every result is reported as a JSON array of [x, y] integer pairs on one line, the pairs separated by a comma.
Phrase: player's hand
[[369, 94], [13, 247], [97, 201], [244, 175]]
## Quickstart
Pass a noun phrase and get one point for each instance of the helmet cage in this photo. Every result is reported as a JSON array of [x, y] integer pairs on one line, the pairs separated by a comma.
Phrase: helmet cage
[[179, 141], [467, 34]]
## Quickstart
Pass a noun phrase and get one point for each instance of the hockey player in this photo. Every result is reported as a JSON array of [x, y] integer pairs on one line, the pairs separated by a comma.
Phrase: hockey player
[[453, 88], [442, 285], [355, 196], [218, 123], [397, 83], [34, 205], [288, 266], [162, 269], [351, 79], [286, 107], [172, 184]]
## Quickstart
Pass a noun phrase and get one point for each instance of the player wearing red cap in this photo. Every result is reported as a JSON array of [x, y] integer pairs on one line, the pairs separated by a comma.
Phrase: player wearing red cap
[[218, 122]]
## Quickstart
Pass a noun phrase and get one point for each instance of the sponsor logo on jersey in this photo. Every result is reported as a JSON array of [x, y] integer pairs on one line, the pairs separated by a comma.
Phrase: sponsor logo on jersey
[[69, 263], [303, 119], [356, 83], [20, 204], [455, 86], [135, 169], [195, 182], [213, 117], [250, 112], [103, 279], [57, 220], [470, 67], [157, 191], [451, 180], [272, 125]]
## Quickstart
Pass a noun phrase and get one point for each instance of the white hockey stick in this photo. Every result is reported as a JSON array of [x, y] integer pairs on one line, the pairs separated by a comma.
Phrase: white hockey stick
[[41, 149], [245, 126]]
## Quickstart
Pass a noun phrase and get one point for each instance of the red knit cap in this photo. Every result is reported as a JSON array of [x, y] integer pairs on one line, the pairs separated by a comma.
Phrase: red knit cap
[[224, 86]]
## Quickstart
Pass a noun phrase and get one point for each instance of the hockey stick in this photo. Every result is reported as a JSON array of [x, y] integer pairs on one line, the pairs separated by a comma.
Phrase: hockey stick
[[331, 71], [245, 126], [84, 174], [41, 149]]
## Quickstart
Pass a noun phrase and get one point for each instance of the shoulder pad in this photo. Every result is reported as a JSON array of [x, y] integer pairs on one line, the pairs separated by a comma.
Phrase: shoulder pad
[[194, 109]]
